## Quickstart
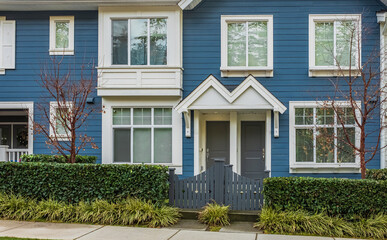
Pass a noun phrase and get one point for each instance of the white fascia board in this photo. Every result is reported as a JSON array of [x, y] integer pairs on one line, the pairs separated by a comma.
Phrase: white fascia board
[[188, 4]]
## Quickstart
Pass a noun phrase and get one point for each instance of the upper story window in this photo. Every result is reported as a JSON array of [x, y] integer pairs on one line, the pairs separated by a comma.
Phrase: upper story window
[[247, 45], [318, 138], [335, 44], [7, 44], [62, 35], [139, 41]]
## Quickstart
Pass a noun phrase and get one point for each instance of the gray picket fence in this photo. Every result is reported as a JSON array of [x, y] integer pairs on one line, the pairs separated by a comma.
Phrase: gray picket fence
[[218, 183]]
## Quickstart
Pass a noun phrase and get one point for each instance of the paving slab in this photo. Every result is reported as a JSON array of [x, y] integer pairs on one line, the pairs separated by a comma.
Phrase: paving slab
[[290, 237], [189, 224], [8, 224], [126, 233], [240, 227], [50, 230], [201, 235]]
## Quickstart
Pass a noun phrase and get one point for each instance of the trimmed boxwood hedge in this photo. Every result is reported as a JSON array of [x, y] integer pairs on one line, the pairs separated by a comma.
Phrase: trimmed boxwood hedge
[[56, 158], [336, 197], [73, 183], [377, 174]]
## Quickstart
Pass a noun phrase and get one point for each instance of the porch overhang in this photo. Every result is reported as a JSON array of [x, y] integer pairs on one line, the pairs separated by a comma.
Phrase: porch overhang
[[213, 95]]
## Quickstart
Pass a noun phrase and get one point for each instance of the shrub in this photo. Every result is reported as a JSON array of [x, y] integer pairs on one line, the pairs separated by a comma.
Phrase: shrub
[[56, 158], [84, 182], [215, 215], [377, 174], [123, 212], [337, 197], [302, 222]]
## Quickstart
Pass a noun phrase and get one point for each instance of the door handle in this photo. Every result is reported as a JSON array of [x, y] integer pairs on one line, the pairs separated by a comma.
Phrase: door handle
[[207, 153]]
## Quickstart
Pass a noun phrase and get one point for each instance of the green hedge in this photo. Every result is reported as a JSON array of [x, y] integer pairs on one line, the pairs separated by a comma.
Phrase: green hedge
[[73, 183], [377, 174], [56, 158], [336, 197]]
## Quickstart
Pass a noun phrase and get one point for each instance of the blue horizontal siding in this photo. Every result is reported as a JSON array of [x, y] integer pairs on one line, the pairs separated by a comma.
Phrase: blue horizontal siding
[[32, 44], [201, 57]]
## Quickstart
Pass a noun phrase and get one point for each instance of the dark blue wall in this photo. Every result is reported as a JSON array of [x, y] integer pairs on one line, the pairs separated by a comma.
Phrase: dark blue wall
[[32, 45], [201, 57]]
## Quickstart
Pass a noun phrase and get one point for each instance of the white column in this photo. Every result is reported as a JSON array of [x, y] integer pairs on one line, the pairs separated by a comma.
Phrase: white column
[[3, 153], [234, 141]]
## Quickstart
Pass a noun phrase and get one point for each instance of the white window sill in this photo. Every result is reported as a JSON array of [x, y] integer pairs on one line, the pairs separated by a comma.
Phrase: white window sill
[[61, 139], [332, 72], [246, 71], [61, 52], [325, 168]]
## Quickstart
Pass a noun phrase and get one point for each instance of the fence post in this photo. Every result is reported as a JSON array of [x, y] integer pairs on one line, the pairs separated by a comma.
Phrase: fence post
[[219, 181], [171, 186]]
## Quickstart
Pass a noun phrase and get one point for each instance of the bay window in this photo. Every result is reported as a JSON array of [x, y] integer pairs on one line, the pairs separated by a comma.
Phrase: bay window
[[139, 41], [334, 42], [142, 135], [247, 45], [318, 137]]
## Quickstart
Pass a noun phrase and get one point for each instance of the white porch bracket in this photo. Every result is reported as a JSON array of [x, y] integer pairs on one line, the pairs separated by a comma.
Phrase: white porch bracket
[[276, 124], [187, 120]]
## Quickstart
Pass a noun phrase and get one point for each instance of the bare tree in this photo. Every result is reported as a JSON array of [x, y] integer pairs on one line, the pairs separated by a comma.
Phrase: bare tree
[[359, 86], [62, 121]]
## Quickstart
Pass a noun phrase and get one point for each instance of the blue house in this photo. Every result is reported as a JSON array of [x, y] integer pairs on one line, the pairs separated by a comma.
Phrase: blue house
[[184, 83]]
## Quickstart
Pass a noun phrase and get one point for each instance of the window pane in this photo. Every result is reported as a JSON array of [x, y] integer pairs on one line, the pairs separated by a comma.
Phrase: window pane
[[304, 145], [324, 44], [345, 36], [325, 145], [120, 42], [139, 41], [142, 145], [325, 116], [257, 43], [158, 41], [20, 136], [121, 116], [142, 116], [163, 116], [62, 34], [61, 119], [345, 153], [346, 116], [122, 145], [304, 116], [163, 145], [236, 44], [5, 135]]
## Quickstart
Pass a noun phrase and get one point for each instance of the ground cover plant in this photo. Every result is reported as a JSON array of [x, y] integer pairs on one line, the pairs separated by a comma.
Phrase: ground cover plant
[[128, 211], [215, 216], [320, 224]]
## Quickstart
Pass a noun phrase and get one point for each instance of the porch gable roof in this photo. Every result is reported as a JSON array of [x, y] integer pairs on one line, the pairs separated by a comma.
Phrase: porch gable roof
[[214, 88]]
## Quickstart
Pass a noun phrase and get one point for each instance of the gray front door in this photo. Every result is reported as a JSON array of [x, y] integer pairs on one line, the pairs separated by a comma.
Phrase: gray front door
[[253, 149], [218, 142]]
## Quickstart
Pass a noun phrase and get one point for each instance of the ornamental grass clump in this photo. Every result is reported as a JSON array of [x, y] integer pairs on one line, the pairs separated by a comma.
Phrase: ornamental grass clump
[[122, 212], [320, 224], [214, 214]]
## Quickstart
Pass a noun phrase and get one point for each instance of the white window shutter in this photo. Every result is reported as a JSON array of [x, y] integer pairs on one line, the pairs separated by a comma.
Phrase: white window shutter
[[8, 44]]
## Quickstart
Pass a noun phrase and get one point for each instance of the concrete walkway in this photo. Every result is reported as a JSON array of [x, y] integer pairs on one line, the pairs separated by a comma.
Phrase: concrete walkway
[[66, 231]]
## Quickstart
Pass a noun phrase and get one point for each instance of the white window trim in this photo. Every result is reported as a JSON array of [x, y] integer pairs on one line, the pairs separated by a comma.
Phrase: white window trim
[[53, 107], [61, 51], [228, 71], [330, 71], [295, 167], [153, 102], [30, 107]]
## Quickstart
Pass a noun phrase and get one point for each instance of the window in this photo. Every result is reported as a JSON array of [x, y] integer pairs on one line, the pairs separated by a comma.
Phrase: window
[[247, 45], [318, 137], [14, 134], [59, 118], [62, 35], [334, 42], [142, 135], [7, 44], [139, 41]]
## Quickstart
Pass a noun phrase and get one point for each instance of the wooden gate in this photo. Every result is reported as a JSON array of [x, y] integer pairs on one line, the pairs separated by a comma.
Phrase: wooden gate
[[218, 183]]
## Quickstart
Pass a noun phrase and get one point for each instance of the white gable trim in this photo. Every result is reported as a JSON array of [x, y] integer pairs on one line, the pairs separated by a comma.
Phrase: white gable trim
[[211, 81], [188, 4]]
